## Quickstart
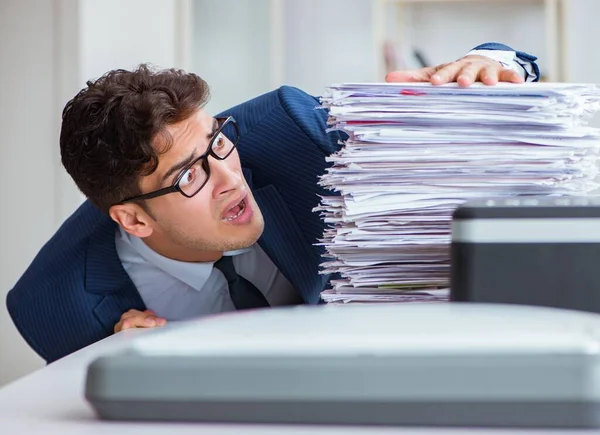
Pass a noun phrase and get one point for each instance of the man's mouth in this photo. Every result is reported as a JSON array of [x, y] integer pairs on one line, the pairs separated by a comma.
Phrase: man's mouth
[[235, 211]]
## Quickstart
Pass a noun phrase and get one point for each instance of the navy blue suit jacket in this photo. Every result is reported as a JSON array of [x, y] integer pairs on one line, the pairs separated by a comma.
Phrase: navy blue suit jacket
[[76, 289]]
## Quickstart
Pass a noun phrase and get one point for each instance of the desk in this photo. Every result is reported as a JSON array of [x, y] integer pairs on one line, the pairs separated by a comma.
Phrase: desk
[[50, 401]]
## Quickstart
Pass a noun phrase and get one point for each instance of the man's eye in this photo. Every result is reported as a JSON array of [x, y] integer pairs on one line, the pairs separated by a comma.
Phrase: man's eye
[[188, 177], [220, 140]]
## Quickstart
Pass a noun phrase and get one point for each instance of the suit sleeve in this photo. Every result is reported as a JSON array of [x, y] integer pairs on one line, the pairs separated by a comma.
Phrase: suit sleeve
[[525, 60]]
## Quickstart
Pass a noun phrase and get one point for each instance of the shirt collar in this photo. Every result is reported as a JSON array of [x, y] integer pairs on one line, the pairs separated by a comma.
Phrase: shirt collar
[[193, 274]]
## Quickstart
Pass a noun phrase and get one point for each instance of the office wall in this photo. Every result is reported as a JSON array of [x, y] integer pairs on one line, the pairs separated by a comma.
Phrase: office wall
[[28, 159], [244, 48], [444, 32], [582, 36], [48, 49], [231, 49], [328, 42], [123, 34], [262, 44]]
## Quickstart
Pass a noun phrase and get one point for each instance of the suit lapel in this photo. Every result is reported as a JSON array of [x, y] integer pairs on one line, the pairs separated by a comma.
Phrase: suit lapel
[[105, 276], [285, 245]]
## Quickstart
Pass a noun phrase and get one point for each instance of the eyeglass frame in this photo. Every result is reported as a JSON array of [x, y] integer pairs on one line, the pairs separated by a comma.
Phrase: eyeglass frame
[[205, 165]]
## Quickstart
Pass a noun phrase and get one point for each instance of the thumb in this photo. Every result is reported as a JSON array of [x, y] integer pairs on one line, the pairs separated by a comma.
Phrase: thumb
[[412, 75]]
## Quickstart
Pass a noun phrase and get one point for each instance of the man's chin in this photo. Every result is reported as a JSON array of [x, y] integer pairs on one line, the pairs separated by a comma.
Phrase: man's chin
[[242, 242], [252, 240]]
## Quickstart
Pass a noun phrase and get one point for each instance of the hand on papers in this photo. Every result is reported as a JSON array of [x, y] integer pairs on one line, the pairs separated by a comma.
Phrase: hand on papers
[[139, 319], [465, 71]]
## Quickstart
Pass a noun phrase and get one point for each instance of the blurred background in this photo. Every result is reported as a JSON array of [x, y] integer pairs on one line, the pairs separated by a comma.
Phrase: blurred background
[[243, 48]]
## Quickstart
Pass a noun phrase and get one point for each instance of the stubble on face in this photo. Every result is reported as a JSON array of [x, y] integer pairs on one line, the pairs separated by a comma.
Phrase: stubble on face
[[224, 241]]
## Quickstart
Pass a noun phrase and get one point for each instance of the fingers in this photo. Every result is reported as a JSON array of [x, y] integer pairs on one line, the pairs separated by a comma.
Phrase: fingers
[[143, 321], [131, 313], [508, 75], [465, 71], [414, 75], [446, 73], [489, 76], [469, 74], [138, 319]]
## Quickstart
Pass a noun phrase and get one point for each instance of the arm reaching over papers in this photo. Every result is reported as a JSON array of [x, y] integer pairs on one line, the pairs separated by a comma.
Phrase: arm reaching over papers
[[487, 63]]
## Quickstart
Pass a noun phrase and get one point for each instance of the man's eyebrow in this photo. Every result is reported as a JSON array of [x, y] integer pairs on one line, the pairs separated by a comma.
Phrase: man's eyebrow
[[182, 164], [178, 166]]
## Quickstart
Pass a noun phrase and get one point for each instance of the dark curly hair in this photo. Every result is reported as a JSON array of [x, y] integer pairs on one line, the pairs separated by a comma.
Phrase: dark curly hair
[[109, 129]]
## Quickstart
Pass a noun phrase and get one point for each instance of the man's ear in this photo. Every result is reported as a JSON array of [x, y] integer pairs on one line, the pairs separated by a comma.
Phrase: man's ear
[[132, 218]]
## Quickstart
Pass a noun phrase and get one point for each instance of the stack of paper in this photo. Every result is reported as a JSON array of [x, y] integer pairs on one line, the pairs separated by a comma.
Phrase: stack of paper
[[416, 151]]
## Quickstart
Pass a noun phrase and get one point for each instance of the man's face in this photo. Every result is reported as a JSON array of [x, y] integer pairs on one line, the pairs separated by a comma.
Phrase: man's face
[[222, 216]]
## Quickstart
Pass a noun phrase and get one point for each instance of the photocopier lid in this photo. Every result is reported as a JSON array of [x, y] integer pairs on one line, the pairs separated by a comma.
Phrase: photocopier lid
[[456, 364], [440, 328]]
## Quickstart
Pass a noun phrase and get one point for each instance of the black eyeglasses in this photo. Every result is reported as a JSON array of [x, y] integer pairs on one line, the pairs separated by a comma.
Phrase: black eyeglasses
[[195, 176]]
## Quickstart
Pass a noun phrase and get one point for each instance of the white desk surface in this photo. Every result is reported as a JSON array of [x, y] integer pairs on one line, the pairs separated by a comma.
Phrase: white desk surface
[[50, 401]]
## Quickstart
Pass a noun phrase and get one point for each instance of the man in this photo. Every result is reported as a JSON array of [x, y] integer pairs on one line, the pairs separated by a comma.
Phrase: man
[[174, 227]]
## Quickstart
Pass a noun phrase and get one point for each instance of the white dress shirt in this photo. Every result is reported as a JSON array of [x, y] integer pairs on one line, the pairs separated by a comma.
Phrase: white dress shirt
[[510, 60], [178, 290]]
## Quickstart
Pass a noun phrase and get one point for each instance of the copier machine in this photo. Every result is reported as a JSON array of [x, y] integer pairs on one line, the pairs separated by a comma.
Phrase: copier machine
[[452, 364]]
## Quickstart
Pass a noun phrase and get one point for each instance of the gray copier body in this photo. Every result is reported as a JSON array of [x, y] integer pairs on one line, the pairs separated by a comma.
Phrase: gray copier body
[[528, 250], [456, 364]]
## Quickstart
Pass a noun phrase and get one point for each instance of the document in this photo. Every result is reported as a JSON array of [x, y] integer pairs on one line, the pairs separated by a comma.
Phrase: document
[[416, 151]]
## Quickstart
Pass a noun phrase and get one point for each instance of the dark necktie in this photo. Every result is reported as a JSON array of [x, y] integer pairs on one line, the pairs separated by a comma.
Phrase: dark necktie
[[243, 293]]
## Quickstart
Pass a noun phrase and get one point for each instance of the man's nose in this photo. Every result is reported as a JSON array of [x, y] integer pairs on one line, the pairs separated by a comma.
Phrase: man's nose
[[226, 177]]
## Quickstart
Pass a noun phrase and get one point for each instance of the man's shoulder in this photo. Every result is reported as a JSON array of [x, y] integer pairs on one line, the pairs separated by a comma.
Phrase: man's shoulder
[[281, 115], [50, 294], [76, 231], [65, 252], [252, 112]]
